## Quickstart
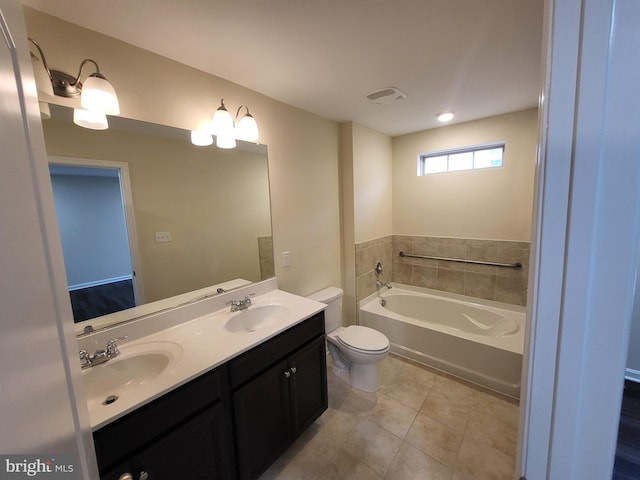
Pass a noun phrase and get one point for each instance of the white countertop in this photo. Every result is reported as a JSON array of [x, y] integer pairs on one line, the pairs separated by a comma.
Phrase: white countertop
[[196, 346]]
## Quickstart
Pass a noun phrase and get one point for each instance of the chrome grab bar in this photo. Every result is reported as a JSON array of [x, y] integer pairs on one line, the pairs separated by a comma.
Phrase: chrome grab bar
[[516, 265]]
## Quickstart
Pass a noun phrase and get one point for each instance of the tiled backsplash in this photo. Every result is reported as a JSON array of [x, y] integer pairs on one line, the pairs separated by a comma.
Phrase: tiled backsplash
[[265, 254], [492, 283]]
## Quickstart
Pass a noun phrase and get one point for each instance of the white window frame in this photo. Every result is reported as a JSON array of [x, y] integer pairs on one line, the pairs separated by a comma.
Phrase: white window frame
[[454, 151]]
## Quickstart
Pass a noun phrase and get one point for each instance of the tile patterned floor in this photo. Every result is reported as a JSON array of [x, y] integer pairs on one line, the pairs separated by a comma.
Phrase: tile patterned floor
[[420, 425]]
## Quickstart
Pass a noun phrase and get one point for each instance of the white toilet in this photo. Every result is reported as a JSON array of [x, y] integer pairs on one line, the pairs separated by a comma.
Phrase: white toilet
[[355, 350]]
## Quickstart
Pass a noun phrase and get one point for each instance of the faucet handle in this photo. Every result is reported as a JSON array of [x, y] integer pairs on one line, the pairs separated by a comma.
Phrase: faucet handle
[[247, 298], [85, 360], [112, 345]]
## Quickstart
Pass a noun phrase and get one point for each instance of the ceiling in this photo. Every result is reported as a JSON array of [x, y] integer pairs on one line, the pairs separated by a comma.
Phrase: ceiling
[[477, 58]]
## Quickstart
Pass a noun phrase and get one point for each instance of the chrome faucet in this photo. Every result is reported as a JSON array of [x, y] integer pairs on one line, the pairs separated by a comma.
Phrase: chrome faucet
[[101, 355], [379, 283], [237, 305]]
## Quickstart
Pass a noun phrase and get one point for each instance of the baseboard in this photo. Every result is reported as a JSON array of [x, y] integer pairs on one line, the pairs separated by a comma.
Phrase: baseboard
[[632, 375]]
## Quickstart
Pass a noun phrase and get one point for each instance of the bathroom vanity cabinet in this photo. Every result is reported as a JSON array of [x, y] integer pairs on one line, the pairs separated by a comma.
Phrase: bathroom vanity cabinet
[[279, 389], [184, 434], [231, 422]]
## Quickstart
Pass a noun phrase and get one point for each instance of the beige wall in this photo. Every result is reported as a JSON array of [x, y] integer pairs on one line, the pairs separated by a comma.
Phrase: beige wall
[[372, 181], [366, 191], [483, 204], [303, 148]]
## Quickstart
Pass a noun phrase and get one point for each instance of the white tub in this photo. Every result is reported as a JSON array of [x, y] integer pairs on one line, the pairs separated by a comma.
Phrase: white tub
[[478, 340]]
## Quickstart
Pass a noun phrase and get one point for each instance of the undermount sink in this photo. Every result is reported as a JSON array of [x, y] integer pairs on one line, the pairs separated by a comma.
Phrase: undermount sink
[[256, 317], [137, 365]]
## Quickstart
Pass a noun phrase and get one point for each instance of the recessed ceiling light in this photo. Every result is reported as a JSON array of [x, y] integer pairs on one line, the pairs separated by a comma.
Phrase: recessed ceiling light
[[445, 116]]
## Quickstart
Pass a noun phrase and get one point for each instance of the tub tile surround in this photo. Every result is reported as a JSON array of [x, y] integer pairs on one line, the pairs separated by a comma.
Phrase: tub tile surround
[[368, 254], [481, 281], [420, 424]]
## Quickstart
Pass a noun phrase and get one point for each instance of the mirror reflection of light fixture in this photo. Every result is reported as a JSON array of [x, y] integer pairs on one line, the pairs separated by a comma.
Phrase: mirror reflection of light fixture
[[90, 119], [97, 95], [201, 138], [225, 130], [445, 116]]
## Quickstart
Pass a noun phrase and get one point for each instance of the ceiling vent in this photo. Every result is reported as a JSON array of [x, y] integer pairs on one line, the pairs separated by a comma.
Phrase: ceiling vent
[[386, 95]]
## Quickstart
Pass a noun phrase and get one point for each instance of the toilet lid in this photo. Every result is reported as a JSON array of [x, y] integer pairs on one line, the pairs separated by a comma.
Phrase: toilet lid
[[363, 338]]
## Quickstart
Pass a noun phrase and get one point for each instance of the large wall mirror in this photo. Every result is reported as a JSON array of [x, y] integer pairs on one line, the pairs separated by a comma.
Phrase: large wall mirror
[[146, 216]]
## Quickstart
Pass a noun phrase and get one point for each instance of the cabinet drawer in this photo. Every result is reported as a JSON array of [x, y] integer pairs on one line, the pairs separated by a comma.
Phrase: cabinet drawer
[[117, 441], [250, 363]]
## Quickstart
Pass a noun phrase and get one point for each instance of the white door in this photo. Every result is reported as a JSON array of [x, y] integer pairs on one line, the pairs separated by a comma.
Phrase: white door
[[38, 377], [586, 239]]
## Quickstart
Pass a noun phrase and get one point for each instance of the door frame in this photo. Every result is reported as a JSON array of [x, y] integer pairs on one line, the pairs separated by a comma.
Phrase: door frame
[[586, 240], [127, 202]]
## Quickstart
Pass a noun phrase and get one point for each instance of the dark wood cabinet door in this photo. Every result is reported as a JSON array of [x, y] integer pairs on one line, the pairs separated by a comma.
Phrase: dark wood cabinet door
[[308, 384], [194, 451], [262, 420], [118, 472]]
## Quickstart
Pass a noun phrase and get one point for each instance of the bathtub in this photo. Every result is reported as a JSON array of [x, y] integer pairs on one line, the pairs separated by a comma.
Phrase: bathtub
[[478, 340]]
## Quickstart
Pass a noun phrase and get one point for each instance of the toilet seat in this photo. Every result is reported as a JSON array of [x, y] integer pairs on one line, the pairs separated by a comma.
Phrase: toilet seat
[[363, 340]]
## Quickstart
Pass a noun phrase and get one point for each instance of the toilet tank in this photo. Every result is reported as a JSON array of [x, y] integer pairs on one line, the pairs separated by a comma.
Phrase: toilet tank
[[332, 296]]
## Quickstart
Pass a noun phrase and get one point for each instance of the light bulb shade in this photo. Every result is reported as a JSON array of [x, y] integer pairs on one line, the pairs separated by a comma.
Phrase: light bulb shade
[[98, 95], [222, 122], [201, 138], [90, 119], [247, 129], [226, 141]]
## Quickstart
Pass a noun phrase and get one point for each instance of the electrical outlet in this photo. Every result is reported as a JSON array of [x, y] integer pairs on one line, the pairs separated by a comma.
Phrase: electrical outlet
[[286, 259], [162, 237]]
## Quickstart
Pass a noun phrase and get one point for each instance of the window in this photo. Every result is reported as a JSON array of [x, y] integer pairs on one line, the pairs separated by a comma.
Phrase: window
[[467, 158]]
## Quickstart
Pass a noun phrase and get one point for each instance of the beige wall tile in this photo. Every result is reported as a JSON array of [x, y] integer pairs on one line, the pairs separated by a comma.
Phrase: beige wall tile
[[451, 280], [474, 280], [425, 246], [425, 277], [403, 273], [480, 285], [511, 290]]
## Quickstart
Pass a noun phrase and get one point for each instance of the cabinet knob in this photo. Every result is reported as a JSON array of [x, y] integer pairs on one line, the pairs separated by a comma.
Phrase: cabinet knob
[[125, 476], [293, 369], [143, 475], [287, 373]]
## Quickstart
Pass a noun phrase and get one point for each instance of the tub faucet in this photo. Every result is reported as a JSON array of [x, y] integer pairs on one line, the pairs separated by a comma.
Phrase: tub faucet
[[380, 284], [100, 355]]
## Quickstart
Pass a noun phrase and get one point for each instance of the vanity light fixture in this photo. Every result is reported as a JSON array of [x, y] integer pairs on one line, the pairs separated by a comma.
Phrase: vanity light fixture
[[225, 130], [97, 95], [247, 128], [445, 116]]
